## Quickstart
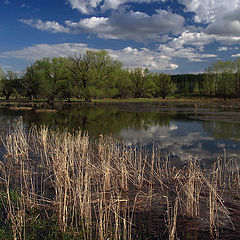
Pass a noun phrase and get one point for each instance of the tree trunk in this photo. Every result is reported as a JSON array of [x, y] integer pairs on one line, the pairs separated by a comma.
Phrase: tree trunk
[[7, 96]]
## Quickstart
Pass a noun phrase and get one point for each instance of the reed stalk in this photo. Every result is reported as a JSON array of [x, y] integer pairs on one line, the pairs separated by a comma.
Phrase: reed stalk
[[97, 189]]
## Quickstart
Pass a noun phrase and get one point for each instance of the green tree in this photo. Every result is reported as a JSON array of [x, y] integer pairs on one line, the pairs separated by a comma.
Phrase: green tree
[[122, 84], [48, 73], [140, 85], [1, 74], [61, 78], [207, 84], [81, 67], [8, 83], [92, 73], [237, 76], [163, 85], [31, 82], [57, 77], [103, 71], [182, 84], [223, 77]]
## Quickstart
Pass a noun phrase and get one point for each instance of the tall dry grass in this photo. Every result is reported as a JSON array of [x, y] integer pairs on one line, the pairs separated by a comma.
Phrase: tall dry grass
[[98, 189]]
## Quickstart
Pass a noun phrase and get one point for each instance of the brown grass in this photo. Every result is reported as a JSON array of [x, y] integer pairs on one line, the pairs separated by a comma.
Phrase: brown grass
[[21, 108], [99, 190], [46, 110]]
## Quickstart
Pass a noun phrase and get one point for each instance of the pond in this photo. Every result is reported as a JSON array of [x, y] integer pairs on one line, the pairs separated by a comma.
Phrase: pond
[[181, 132]]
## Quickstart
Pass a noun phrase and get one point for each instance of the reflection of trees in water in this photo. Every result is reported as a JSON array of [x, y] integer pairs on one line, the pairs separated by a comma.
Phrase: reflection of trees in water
[[111, 120], [95, 120], [222, 130]]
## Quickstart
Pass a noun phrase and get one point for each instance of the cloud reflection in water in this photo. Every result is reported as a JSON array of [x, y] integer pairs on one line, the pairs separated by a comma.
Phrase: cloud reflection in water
[[182, 140]]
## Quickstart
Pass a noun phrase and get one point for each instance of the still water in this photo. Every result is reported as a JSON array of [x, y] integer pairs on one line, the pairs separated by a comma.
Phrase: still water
[[177, 131]]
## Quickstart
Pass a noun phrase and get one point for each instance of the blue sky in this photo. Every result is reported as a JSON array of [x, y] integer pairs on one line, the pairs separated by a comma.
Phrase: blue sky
[[175, 36]]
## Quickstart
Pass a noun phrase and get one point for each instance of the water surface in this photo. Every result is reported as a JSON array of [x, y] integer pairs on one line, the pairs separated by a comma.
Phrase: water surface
[[181, 132]]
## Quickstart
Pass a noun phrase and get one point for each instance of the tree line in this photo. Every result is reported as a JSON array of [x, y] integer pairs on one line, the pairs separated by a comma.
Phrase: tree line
[[95, 75], [220, 79]]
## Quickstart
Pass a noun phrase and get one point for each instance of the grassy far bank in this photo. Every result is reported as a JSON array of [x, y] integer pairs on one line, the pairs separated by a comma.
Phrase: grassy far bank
[[173, 100], [61, 186], [177, 100], [201, 108]]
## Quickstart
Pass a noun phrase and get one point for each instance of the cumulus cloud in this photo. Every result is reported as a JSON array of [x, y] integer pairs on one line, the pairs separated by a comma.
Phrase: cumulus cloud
[[132, 25], [137, 26], [224, 28], [144, 58], [46, 50], [221, 49], [114, 4], [190, 53], [236, 55], [228, 40], [197, 38], [84, 6], [50, 26], [208, 10], [227, 25], [188, 45], [222, 17], [6, 67], [194, 38], [88, 6], [129, 56]]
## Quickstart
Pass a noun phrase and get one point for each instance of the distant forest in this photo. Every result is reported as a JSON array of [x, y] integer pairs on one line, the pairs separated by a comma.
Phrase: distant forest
[[95, 75]]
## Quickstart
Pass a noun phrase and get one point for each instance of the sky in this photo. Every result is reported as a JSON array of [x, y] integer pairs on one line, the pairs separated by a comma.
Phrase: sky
[[172, 36]]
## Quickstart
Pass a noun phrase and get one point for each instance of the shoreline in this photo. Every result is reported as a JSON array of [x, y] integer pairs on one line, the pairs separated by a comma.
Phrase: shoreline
[[201, 108]]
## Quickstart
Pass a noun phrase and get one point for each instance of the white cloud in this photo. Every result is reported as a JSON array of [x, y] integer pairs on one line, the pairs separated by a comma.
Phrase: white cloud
[[190, 53], [193, 38], [209, 10], [222, 17], [45, 50], [198, 38], [114, 4], [236, 55], [224, 27], [188, 45], [50, 26], [4, 67], [221, 49], [130, 57], [144, 58], [136, 26], [228, 40], [85, 6], [88, 6]]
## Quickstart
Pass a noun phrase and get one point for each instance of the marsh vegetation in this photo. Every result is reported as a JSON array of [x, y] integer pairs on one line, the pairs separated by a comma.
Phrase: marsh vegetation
[[60, 185]]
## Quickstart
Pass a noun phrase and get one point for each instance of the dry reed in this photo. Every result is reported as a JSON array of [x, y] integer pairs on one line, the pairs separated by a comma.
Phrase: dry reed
[[96, 189]]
